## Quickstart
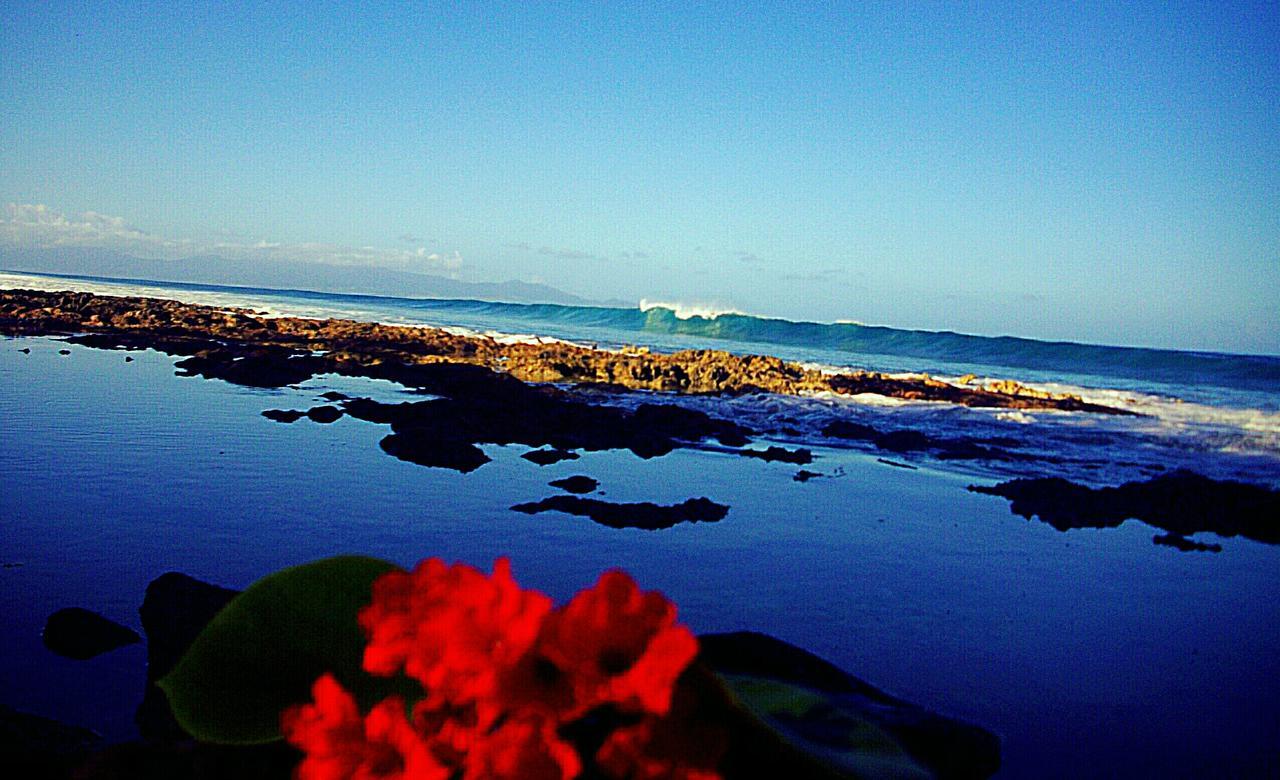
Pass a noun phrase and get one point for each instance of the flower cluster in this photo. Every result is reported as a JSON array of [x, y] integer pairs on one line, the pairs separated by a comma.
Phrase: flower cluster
[[503, 674]]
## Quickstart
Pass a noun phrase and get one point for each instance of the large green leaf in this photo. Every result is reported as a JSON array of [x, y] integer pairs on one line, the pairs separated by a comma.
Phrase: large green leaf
[[264, 650], [822, 728]]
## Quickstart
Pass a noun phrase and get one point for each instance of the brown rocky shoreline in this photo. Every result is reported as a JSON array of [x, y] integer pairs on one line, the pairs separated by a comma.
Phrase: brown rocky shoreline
[[278, 348]]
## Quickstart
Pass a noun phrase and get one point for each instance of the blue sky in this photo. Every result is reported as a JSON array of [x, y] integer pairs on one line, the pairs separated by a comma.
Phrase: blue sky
[[1101, 173]]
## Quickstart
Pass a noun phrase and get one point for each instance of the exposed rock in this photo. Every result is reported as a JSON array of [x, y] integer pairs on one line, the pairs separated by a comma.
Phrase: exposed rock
[[478, 406], [1181, 502], [259, 367], [904, 441], [80, 634], [174, 611], [576, 484], [25, 350], [324, 414], [128, 358], [425, 449], [64, 352], [1006, 395], [334, 395], [647, 516], [284, 415], [241, 347], [36, 747], [548, 456], [799, 457], [1184, 544], [804, 475]]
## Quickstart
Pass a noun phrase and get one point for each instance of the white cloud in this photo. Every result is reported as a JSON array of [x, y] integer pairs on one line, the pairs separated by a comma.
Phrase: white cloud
[[37, 226], [27, 224], [560, 253]]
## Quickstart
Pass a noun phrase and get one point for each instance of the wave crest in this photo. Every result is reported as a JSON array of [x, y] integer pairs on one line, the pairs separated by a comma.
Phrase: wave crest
[[688, 311]]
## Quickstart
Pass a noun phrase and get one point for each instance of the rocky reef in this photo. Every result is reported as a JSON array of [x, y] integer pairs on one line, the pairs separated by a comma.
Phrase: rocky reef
[[248, 348]]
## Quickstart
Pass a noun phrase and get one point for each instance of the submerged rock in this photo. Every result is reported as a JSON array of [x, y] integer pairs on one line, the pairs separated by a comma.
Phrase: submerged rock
[[832, 700], [81, 634], [844, 429], [646, 516], [897, 465], [905, 440], [799, 457]]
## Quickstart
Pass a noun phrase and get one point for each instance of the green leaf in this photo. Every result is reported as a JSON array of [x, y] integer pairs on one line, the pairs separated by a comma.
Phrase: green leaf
[[823, 728], [264, 650]]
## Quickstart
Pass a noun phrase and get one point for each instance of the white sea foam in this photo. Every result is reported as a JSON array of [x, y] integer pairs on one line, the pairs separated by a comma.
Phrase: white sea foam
[[686, 311], [1196, 425], [527, 338], [1022, 418]]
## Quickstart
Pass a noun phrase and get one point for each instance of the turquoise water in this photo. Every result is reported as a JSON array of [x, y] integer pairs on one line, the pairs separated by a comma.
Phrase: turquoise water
[[1091, 652]]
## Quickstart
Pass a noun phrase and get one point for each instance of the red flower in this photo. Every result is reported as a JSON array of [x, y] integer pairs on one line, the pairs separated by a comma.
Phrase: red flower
[[340, 744], [685, 744], [501, 671], [523, 749], [451, 628], [616, 644], [451, 730], [653, 750]]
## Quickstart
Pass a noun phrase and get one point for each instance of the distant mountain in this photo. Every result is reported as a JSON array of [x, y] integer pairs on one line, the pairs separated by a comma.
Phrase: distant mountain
[[277, 274]]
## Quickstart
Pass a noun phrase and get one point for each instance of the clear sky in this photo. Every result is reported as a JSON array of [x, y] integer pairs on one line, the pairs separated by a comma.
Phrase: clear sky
[[1096, 172]]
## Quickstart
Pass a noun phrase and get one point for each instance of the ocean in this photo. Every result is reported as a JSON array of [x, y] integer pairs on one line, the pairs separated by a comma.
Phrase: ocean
[[1091, 652]]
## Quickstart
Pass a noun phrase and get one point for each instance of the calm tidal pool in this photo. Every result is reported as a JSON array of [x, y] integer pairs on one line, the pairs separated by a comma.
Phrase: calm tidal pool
[[1089, 652]]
